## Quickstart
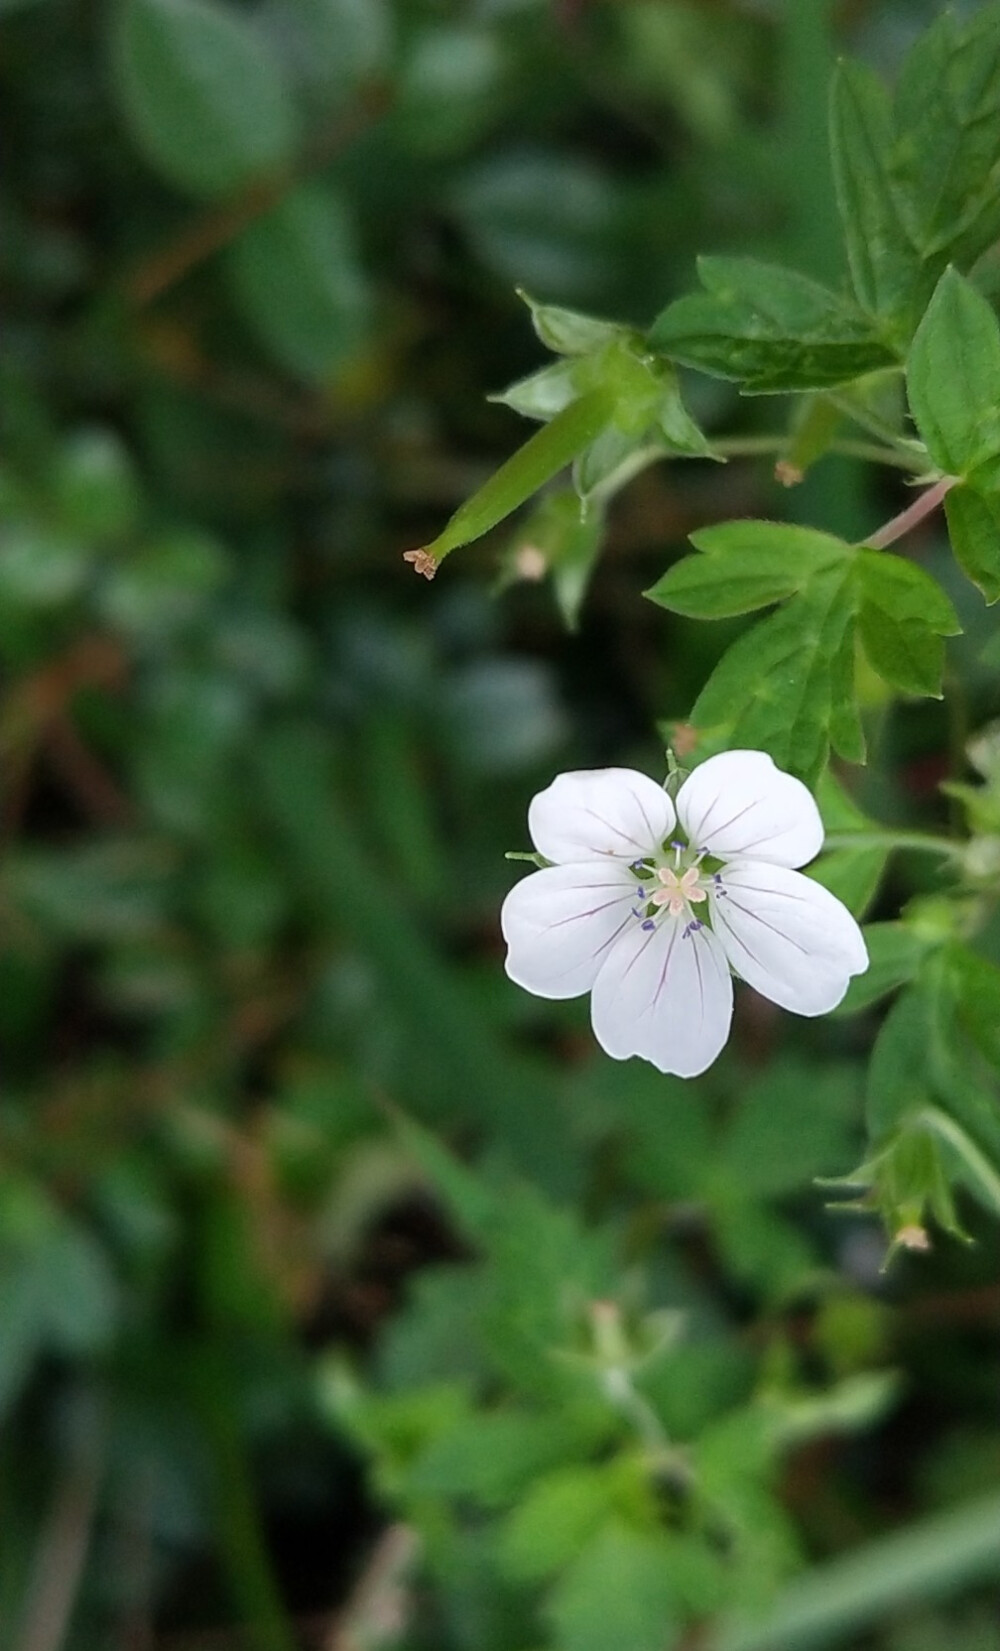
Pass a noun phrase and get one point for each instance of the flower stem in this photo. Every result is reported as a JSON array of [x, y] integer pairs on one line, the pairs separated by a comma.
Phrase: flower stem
[[929, 500], [738, 447], [924, 842]]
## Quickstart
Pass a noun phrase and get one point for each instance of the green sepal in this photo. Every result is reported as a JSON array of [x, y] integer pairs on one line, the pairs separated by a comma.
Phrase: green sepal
[[567, 332]]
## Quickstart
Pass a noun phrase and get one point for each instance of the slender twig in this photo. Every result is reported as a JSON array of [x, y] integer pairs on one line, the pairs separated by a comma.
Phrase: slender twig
[[738, 447], [65, 1541], [215, 229], [376, 1612], [927, 502]]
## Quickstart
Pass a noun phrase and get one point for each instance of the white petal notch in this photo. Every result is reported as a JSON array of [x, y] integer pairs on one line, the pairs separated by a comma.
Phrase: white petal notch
[[653, 909]]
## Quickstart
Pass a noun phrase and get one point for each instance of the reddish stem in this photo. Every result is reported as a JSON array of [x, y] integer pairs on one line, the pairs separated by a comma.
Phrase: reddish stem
[[914, 513]]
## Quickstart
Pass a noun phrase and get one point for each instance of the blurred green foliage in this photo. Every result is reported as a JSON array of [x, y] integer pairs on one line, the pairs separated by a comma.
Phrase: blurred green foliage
[[348, 1298]]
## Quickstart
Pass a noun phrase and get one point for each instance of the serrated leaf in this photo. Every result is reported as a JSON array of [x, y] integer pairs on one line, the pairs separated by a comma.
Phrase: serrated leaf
[[974, 530], [947, 123], [902, 617], [745, 565], [297, 277], [768, 327], [953, 377], [204, 100], [895, 953], [773, 690], [884, 264]]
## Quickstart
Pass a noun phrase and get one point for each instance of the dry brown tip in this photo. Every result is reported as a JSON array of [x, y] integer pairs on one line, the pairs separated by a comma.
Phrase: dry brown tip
[[423, 562], [788, 474]]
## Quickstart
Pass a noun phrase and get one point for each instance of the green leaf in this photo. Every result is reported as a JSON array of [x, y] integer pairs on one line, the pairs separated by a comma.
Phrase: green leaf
[[977, 999], [203, 99], [953, 377], [946, 155], [884, 264], [554, 1520], [491, 1458], [853, 875], [745, 565], [896, 953], [775, 688], [974, 531], [618, 1592], [768, 327], [297, 278], [332, 46], [903, 615], [773, 1144], [899, 1072]]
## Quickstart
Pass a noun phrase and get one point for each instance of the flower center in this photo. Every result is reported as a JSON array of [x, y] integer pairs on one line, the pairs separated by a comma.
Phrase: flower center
[[676, 887], [676, 892]]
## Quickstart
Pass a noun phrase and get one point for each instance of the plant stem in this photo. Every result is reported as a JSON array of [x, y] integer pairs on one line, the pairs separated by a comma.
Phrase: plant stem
[[912, 515], [923, 842], [737, 447]]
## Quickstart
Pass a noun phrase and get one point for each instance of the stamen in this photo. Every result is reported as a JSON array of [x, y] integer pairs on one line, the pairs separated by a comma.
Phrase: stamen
[[649, 924]]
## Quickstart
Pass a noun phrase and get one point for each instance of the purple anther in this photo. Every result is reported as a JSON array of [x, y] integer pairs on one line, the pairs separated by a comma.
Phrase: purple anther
[[641, 894], [691, 928], [638, 866], [649, 924], [680, 847]]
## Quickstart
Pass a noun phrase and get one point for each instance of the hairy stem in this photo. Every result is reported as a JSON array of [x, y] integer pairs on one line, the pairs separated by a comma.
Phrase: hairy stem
[[912, 515]]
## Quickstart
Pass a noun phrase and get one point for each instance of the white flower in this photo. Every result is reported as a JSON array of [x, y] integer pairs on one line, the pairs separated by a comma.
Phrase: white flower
[[648, 907]]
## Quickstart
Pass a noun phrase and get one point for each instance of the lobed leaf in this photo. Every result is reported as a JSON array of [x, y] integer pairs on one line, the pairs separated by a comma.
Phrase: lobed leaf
[[884, 263], [745, 565], [768, 327], [953, 377], [902, 616], [974, 530]]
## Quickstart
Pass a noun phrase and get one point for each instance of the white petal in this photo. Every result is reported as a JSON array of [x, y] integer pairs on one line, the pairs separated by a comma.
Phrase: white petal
[[597, 813], [666, 995], [790, 938], [558, 925], [740, 803]]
